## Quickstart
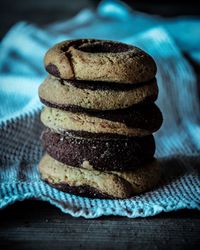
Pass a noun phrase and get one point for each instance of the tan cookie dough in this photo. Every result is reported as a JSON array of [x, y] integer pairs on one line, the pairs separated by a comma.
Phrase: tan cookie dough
[[93, 183], [61, 121], [66, 95], [90, 59]]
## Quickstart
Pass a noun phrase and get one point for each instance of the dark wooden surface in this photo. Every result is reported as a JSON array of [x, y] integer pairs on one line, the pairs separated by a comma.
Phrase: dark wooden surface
[[35, 224]]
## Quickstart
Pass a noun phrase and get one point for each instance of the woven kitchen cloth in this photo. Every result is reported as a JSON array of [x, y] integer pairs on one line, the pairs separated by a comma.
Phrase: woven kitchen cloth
[[178, 141]]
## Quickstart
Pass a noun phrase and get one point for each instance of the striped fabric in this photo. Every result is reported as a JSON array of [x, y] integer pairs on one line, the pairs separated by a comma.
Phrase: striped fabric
[[178, 141]]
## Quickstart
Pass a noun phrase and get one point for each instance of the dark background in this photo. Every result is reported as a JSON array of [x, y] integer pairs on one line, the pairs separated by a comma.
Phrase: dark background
[[35, 224], [44, 11]]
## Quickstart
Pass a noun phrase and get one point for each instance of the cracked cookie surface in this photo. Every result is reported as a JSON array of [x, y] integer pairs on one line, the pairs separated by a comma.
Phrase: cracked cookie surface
[[130, 123], [93, 183], [81, 96], [99, 60]]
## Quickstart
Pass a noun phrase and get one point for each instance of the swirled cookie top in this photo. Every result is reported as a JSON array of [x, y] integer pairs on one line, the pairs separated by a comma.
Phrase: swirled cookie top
[[99, 60]]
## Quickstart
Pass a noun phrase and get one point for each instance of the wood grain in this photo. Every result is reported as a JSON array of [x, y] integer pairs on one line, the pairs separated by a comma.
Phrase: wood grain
[[31, 224]]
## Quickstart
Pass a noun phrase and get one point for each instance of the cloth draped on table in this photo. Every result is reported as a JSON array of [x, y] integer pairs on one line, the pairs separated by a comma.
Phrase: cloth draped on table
[[178, 141]]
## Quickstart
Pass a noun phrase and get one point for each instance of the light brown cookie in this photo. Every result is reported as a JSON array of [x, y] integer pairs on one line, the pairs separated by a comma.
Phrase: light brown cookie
[[99, 60], [72, 95], [93, 183], [62, 121]]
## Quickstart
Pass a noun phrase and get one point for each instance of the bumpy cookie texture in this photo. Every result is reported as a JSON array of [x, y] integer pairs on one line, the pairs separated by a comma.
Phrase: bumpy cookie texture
[[129, 123], [68, 95], [98, 184], [99, 60], [102, 154], [147, 117]]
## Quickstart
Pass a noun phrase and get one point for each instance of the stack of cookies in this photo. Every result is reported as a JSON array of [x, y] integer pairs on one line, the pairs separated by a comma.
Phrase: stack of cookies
[[99, 117]]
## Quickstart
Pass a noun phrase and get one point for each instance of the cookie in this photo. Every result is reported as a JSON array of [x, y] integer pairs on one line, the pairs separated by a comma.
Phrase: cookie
[[99, 60], [99, 153], [93, 183], [84, 95], [139, 122]]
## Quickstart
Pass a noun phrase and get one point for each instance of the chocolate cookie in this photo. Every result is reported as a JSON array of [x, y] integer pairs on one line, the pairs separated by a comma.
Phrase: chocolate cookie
[[93, 183], [99, 153], [84, 95], [133, 122], [99, 60]]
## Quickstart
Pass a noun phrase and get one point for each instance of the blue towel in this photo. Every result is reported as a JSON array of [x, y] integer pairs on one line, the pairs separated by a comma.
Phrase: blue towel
[[178, 142]]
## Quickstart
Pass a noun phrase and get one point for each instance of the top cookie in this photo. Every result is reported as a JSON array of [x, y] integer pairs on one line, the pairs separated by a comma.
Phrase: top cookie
[[99, 60]]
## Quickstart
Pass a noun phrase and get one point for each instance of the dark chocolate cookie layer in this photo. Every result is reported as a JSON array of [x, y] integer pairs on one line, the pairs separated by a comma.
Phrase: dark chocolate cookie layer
[[101, 154]]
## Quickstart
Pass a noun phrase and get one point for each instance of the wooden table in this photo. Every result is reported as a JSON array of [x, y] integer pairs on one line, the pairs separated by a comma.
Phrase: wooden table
[[35, 224]]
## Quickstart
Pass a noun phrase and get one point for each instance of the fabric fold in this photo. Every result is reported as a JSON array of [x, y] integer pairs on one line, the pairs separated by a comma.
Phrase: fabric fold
[[178, 142]]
